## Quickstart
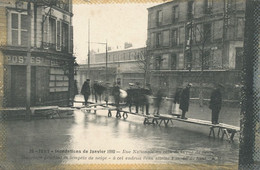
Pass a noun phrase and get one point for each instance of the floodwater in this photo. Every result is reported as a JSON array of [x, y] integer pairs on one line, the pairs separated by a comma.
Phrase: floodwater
[[90, 138]]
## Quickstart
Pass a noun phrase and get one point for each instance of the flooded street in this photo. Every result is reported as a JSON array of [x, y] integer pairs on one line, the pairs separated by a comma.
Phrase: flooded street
[[90, 138]]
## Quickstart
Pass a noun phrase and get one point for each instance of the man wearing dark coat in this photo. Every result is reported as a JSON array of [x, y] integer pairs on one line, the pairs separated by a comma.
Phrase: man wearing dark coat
[[85, 90], [215, 103], [185, 100]]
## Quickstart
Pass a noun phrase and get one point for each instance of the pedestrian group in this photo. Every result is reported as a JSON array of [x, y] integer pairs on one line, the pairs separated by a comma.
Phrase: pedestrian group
[[142, 97]]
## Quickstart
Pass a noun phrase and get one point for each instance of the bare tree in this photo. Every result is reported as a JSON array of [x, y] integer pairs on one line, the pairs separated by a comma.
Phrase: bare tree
[[144, 63], [202, 37]]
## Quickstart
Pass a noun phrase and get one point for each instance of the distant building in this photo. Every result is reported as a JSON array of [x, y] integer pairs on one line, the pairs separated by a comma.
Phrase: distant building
[[199, 42], [124, 65], [51, 52]]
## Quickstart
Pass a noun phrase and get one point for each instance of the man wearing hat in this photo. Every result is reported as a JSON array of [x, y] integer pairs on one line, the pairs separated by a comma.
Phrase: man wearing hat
[[85, 90], [215, 103], [185, 100]]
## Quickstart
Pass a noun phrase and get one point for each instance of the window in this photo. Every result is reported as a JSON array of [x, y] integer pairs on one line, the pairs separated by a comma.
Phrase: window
[[208, 6], [166, 38], [159, 39], [52, 33], [174, 37], [71, 40], [64, 37], [157, 62], [198, 33], [240, 28], [153, 40], [218, 32], [175, 14], [182, 35], [173, 61], [239, 58], [58, 35], [181, 61], [190, 9], [165, 61], [159, 18], [206, 59], [19, 29], [207, 32]]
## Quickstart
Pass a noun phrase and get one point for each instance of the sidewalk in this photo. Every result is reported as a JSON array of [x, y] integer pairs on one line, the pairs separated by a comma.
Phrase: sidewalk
[[38, 112]]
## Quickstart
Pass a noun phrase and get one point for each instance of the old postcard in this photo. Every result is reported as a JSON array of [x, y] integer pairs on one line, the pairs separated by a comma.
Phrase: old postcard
[[113, 84]]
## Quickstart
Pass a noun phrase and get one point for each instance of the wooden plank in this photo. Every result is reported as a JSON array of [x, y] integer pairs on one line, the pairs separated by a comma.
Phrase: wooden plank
[[104, 108], [207, 123]]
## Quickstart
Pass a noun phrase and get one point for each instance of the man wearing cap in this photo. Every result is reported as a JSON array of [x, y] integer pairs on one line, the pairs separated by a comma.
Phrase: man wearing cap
[[185, 100], [85, 90], [215, 103]]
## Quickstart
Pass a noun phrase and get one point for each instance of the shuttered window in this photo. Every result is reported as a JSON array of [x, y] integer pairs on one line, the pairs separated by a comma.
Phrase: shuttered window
[[58, 35], [71, 39]]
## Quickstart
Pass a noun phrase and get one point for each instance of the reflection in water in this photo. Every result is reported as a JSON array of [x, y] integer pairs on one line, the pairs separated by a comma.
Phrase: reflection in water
[[97, 136]]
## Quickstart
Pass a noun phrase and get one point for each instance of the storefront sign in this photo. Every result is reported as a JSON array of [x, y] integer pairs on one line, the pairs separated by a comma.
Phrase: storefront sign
[[21, 60]]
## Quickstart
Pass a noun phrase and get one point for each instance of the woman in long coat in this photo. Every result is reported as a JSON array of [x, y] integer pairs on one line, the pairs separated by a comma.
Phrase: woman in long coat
[[185, 100]]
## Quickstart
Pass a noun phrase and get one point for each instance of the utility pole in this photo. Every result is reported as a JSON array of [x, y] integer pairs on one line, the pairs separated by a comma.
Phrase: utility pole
[[88, 76], [28, 65]]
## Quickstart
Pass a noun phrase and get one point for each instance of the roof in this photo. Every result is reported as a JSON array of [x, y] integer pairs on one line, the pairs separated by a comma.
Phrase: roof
[[159, 5], [126, 49]]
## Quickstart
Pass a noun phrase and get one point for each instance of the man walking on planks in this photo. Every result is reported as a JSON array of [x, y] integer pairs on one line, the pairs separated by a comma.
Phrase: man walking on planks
[[85, 90], [215, 103], [185, 100]]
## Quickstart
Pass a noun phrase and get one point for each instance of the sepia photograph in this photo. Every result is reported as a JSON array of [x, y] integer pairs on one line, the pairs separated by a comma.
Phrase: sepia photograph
[[136, 84]]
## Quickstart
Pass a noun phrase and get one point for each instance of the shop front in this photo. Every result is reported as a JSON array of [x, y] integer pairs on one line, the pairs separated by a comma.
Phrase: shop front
[[50, 80]]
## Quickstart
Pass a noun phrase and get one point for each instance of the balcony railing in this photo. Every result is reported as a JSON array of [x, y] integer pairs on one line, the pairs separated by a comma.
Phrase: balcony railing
[[50, 46], [54, 47]]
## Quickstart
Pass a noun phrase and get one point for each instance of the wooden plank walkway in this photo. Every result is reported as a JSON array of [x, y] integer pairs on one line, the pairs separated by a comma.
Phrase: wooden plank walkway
[[223, 129]]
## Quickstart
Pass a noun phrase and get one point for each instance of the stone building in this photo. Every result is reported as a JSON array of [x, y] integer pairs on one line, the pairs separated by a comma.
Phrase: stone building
[[126, 66], [199, 42], [49, 32]]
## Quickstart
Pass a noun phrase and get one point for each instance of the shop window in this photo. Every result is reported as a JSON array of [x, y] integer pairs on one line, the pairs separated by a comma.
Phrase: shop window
[[19, 29], [59, 82]]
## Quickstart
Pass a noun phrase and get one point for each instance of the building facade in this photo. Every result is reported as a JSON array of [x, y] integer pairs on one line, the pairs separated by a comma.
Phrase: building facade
[[199, 42], [38, 36], [126, 66]]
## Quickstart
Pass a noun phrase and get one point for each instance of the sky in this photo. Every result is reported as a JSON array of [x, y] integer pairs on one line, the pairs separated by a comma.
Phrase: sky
[[114, 23]]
